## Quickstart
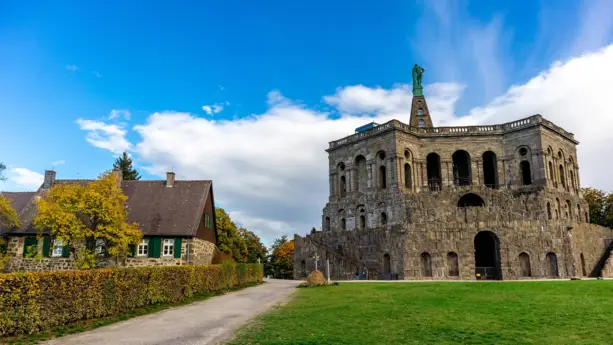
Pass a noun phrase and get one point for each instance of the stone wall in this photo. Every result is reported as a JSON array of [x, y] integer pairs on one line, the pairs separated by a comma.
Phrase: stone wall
[[200, 252]]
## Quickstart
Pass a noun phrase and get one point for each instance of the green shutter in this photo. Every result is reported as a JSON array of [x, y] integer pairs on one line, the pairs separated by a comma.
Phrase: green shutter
[[46, 246], [132, 250], [90, 243], [177, 248], [65, 251], [30, 242], [155, 246]]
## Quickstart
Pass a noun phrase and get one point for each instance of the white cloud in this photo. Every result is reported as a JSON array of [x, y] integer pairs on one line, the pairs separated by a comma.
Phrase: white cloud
[[60, 162], [111, 137], [72, 68], [119, 113], [213, 109], [25, 178], [270, 170], [97, 74]]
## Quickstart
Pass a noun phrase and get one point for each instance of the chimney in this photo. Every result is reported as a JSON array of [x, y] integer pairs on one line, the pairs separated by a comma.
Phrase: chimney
[[170, 179], [118, 176], [49, 179]]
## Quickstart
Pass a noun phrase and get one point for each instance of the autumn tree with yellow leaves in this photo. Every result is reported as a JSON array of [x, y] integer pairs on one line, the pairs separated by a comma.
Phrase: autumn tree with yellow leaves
[[79, 215], [8, 219]]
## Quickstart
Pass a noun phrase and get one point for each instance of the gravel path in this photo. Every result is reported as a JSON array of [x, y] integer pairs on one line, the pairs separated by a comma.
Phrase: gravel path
[[207, 322]]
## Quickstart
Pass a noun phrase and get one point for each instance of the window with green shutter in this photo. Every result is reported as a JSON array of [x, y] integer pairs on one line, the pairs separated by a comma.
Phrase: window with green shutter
[[154, 247], [177, 248], [65, 251], [46, 246], [30, 247]]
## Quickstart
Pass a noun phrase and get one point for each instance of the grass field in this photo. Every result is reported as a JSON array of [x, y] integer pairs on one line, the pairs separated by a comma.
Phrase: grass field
[[565, 312]]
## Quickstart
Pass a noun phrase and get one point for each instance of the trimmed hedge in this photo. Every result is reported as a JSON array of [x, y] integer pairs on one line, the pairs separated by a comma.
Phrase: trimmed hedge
[[36, 301]]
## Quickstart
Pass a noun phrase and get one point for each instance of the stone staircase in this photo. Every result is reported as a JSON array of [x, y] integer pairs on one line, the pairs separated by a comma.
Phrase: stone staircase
[[604, 259]]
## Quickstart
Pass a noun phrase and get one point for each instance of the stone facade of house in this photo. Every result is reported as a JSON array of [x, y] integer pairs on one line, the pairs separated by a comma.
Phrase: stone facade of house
[[475, 202]]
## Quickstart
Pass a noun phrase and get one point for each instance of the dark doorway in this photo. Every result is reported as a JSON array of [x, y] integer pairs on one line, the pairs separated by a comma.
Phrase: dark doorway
[[461, 168], [526, 174], [386, 264], [426, 265], [327, 224], [524, 265], [303, 268], [583, 271], [408, 181], [552, 265], [343, 187], [383, 219], [470, 200], [452, 264], [433, 166], [487, 256], [490, 170], [362, 222]]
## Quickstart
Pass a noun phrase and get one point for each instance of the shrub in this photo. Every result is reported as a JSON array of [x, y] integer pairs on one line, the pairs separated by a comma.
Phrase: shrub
[[31, 302], [316, 278]]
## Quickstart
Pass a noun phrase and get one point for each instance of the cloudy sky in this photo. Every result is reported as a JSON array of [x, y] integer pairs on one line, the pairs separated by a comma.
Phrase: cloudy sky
[[249, 94]]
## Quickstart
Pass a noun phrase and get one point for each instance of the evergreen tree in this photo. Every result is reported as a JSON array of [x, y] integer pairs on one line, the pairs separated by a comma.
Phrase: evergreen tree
[[124, 163]]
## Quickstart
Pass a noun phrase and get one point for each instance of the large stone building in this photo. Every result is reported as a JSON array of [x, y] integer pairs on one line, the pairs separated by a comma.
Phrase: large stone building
[[413, 201]]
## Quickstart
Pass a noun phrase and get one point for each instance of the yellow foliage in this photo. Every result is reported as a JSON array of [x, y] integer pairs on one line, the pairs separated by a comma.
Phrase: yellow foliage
[[8, 216], [74, 212], [39, 301]]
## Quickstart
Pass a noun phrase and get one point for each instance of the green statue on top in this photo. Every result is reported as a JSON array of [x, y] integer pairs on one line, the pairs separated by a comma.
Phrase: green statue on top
[[418, 71]]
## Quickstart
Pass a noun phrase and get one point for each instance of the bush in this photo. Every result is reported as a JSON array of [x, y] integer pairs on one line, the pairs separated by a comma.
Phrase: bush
[[316, 278], [36, 301]]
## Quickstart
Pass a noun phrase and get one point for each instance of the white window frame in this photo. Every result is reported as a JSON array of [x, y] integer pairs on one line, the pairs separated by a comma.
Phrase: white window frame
[[58, 248], [143, 248], [168, 247]]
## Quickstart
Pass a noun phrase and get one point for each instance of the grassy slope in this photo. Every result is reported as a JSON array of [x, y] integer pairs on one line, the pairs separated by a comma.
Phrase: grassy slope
[[570, 312]]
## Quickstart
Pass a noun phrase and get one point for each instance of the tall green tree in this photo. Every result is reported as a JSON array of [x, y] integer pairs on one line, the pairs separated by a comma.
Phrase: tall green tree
[[255, 249], [281, 260], [601, 206], [124, 163], [229, 239]]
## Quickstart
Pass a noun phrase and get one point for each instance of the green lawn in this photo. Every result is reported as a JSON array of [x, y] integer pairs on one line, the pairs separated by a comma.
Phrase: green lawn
[[565, 312]]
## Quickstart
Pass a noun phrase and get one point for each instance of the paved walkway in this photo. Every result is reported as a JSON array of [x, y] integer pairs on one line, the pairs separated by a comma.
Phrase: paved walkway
[[207, 322]]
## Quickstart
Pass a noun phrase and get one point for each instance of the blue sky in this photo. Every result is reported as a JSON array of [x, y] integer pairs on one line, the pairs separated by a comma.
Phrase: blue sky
[[249, 93]]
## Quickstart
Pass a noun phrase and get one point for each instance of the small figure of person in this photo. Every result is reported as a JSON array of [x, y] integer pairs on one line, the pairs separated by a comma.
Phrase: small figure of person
[[357, 275]]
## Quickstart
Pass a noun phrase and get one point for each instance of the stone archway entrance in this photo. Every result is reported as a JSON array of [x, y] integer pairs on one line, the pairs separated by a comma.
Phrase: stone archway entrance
[[487, 256]]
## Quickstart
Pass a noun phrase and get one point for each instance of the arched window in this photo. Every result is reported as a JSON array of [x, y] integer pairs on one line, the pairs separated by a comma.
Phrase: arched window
[[408, 181], [433, 167], [420, 111], [578, 212], [470, 200], [548, 211], [558, 210], [526, 174], [490, 170], [383, 219], [362, 221], [421, 123], [386, 264], [562, 179], [382, 177], [327, 224], [343, 185], [524, 265], [569, 209], [452, 264], [426, 265], [343, 224], [587, 218], [303, 268], [551, 175], [461, 168], [361, 175], [551, 262]]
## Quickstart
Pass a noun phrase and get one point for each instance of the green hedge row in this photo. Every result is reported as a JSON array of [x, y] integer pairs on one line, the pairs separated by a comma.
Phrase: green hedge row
[[36, 301]]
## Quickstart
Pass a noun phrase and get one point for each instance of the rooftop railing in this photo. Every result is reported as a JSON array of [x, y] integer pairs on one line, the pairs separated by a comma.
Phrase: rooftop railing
[[451, 131]]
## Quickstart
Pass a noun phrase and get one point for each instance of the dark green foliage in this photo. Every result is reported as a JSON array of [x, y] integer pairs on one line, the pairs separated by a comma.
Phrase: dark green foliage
[[255, 249], [229, 239], [124, 163], [562, 312], [601, 206], [2, 168]]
